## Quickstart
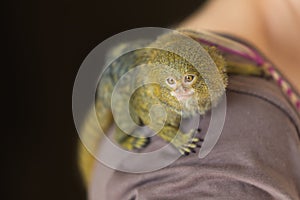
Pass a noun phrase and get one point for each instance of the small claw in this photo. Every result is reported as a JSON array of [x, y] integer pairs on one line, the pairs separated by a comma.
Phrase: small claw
[[191, 145], [185, 149], [181, 152], [195, 140], [148, 140]]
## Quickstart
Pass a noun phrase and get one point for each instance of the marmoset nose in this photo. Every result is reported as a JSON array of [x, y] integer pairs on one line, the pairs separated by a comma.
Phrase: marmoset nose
[[181, 89]]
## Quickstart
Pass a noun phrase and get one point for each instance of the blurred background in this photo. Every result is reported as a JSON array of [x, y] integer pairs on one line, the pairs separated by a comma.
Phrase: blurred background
[[46, 43]]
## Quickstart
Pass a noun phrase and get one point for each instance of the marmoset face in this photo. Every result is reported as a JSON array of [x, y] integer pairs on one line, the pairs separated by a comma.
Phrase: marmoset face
[[182, 88]]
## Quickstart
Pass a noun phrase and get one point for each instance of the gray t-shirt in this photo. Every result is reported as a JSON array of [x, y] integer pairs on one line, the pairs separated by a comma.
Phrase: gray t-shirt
[[256, 157]]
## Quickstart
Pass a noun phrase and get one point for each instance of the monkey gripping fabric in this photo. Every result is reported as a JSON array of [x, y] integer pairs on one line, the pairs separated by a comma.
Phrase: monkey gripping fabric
[[256, 157]]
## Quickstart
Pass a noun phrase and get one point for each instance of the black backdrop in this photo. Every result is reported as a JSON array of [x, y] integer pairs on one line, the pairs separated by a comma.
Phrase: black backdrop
[[46, 44]]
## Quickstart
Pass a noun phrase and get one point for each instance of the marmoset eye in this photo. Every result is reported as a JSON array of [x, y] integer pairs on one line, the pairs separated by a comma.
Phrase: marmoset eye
[[171, 81], [189, 78]]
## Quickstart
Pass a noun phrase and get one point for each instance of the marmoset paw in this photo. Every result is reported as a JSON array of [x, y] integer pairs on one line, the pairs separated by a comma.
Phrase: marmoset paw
[[190, 142], [131, 142], [141, 142]]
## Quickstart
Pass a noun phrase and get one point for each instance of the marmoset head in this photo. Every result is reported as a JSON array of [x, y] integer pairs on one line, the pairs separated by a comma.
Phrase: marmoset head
[[182, 87]]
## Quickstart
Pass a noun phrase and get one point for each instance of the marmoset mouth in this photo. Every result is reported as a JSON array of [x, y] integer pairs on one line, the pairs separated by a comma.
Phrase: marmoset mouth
[[183, 95]]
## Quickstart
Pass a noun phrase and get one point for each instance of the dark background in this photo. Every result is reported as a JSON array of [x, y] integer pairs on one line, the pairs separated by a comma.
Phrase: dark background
[[46, 44]]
